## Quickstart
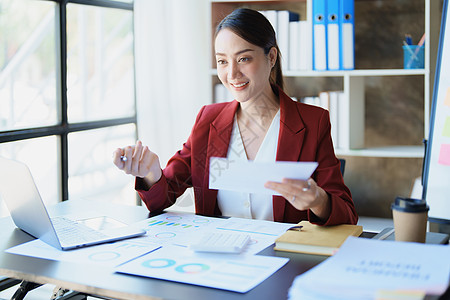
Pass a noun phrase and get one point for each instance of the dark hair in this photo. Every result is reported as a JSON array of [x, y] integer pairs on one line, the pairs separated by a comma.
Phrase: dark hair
[[253, 27]]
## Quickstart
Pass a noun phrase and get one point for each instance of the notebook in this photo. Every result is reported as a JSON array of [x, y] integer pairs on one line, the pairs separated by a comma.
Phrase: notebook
[[314, 239], [28, 212]]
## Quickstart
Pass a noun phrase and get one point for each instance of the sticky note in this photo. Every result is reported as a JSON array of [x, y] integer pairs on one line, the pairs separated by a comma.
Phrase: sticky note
[[446, 130], [447, 97], [444, 155]]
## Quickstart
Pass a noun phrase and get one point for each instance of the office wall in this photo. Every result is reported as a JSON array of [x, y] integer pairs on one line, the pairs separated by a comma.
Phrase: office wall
[[392, 115]]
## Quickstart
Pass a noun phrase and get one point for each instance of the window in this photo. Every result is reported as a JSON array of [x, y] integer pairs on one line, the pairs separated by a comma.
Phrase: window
[[67, 95]]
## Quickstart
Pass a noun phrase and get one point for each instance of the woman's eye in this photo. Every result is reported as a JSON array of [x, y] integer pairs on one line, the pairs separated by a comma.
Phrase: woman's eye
[[221, 62], [244, 59]]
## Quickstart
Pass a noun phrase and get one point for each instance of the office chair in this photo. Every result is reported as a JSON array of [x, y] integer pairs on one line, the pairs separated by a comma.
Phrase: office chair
[[342, 161]]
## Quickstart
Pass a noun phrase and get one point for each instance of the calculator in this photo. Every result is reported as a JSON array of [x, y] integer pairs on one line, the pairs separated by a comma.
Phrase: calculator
[[221, 242]]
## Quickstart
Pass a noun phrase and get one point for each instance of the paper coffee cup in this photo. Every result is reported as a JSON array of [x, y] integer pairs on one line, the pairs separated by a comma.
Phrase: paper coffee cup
[[410, 219]]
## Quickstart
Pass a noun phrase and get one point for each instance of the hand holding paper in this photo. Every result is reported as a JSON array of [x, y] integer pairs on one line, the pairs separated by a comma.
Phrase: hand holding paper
[[250, 177]]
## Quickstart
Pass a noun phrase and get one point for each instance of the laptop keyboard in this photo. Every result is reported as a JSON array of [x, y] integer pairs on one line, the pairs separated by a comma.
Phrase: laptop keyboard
[[71, 232]]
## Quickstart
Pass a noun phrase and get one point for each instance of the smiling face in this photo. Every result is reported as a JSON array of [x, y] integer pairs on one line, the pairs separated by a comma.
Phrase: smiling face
[[242, 67]]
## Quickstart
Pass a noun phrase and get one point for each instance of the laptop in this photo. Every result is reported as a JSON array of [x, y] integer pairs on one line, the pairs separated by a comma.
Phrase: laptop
[[28, 212]]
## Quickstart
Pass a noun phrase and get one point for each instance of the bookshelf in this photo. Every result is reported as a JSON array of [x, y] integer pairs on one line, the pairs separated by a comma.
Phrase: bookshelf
[[353, 82]]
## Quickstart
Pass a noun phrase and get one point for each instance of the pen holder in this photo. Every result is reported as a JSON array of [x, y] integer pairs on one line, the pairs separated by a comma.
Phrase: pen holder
[[413, 57]]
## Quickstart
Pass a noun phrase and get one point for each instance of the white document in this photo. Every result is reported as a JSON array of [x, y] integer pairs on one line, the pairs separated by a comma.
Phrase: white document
[[177, 228], [184, 229], [262, 233], [109, 255], [223, 271], [363, 267], [250, 177], [168, 229]]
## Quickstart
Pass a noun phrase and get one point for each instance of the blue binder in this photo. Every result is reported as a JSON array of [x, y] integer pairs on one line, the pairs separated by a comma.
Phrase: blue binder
[[319, 35], [333, 34], [347, 35]]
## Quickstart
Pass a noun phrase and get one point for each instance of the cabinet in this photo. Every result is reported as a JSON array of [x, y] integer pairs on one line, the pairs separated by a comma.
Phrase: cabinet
[[358, 83]]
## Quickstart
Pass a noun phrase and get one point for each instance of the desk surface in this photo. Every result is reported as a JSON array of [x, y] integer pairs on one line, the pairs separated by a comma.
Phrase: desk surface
[[103, 281]]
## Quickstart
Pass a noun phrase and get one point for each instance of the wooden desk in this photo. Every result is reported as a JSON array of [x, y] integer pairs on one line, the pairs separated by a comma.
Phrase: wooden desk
[[103, 281]]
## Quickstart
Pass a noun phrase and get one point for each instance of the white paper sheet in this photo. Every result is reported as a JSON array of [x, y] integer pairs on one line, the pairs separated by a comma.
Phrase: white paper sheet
[[262, 233], [183, 229], [177, 228], [250, 177], [362, 267], [109, 255], [229, 272], [168, 229]]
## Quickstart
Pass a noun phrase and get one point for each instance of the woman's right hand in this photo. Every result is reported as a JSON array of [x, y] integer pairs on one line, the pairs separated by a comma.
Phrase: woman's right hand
[[138, 161]]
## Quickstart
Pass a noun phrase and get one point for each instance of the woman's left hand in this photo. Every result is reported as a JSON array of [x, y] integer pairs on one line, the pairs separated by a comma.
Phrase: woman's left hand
[[303, 195]]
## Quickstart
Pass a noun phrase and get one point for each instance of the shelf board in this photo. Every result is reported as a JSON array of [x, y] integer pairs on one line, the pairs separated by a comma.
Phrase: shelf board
[[394, 151], [355, 73], [262, 1]]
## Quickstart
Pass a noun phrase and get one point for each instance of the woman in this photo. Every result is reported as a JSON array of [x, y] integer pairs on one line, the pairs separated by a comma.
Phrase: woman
[[261, 124]]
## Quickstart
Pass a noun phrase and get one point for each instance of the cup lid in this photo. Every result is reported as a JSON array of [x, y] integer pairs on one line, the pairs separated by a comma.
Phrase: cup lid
[[410, 205]]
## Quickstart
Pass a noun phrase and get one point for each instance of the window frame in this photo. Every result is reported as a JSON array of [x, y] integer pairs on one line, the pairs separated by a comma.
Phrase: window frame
[[64, 128]]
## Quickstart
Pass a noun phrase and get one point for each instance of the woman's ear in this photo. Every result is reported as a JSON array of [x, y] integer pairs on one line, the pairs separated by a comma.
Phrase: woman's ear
[[273, 56]]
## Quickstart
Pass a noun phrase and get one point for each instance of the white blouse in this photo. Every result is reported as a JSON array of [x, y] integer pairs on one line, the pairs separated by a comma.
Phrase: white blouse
[[250, 205]]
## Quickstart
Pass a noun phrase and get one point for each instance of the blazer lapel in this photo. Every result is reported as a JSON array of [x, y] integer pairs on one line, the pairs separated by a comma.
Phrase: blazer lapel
[[290, 141], [218, 142]]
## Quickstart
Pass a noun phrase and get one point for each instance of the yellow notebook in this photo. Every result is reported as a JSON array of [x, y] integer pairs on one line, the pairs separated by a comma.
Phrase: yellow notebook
[[315, 239]]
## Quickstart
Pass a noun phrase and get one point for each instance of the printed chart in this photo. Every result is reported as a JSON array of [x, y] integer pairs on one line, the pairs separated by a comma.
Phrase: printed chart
[[177, 229], [163, 252], [229, 272], [185, 229]]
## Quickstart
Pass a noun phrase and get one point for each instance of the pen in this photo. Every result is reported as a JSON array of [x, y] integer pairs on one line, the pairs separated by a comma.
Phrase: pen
[[408, 39], [421, 41], [420, 44], [296, 228]]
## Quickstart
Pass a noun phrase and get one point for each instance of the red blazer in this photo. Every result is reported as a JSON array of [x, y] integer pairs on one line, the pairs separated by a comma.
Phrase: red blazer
[[304, 136]]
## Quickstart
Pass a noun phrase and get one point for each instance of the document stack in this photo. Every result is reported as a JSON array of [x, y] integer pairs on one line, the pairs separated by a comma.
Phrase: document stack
[[333, 34], [347, 130], [294, 39]]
